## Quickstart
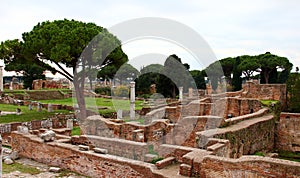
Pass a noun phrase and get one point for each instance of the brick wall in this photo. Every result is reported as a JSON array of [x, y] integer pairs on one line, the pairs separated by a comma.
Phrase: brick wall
[[87, 163], [241, 106], [248, 166], [184, 132], [288, 132], [265, 91], [125, 148], [245, 137], [57, 121]]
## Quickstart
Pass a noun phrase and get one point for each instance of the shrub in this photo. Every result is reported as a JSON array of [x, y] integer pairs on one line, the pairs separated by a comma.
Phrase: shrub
[[103, 91], [121, 91]]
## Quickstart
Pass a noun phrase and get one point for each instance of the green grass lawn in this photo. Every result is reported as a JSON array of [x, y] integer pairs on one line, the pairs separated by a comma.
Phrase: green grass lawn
[[268, 102], [110, 103], [26, 115]]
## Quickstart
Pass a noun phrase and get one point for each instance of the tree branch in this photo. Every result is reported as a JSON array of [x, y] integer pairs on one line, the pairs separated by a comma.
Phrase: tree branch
[[61, 68], [52, 69]]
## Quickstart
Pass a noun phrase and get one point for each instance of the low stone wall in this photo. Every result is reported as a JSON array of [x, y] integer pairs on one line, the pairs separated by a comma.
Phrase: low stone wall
[[248, 166], [288, 132], [166, 150], [156, 133], [57, 121], [234, 120], [119, 147], [245, 137], [217, 106], [86, 163]]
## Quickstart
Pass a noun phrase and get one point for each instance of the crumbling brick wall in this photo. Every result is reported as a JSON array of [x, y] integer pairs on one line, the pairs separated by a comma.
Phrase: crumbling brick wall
[[288, 132], [87, 163], [265, 91], [248, 166]]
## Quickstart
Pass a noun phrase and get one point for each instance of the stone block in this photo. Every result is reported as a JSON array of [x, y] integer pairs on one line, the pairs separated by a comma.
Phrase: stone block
[[14, 155], [150, 157], [8, 161], [54, 169], [23, 129], [83, 148], [100, 150], [48, 136]]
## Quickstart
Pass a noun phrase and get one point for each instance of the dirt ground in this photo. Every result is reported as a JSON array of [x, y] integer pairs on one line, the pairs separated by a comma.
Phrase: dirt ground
[[42, 167]]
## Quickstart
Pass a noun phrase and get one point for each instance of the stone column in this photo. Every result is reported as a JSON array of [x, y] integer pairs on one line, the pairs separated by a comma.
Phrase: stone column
[[70, 123], [39, 107], [30, 106], [180, 94], [1, 78], [132, 100], [191, 90], [50, 108], [119, 114]]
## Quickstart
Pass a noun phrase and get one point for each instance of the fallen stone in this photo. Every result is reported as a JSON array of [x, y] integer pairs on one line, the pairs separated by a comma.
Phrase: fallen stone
[[5, 157], [272, 155], [6, 151], [48, 136], [84, 148], [100, 150], [14, 155], [23, 129], [8, 161], [54, 169]]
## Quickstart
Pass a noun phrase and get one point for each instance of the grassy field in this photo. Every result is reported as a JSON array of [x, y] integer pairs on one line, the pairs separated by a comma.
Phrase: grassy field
[[26, 115], [103, 105], [104, 102]]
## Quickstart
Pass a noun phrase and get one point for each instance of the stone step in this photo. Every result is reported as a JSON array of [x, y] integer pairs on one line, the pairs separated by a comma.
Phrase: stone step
[[171, 171], [165, 162], [215, 147]]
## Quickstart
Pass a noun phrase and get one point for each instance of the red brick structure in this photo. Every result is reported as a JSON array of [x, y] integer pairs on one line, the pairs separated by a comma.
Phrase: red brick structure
[[47, 84], [265, 91], [288, 132]]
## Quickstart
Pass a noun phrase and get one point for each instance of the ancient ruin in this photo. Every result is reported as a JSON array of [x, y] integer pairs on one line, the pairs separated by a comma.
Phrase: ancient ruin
[[206, 136]]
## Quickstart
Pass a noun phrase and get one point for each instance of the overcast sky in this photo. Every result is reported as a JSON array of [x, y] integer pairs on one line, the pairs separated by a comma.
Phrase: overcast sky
[[230, 27]]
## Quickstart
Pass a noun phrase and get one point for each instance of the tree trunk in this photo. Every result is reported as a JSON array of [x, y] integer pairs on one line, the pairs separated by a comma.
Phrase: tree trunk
[[79, 91], [266, 76]]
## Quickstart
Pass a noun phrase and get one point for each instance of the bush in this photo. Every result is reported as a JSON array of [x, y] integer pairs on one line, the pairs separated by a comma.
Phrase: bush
[[103, 91], [121, 91], [76, 131], [156, 160]]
